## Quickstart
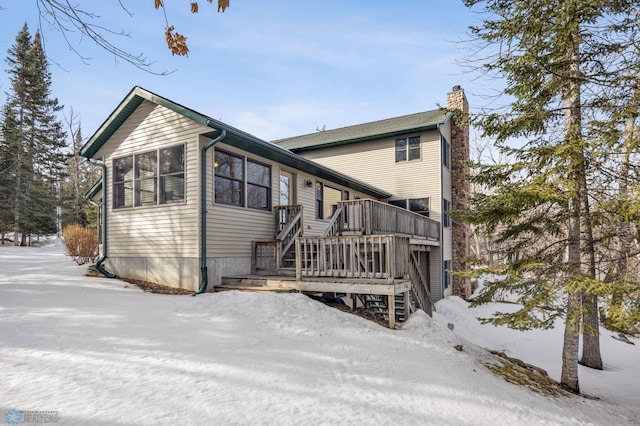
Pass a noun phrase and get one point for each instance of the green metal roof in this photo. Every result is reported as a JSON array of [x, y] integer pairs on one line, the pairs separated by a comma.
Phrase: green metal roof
[[235, 137], [367, 131]]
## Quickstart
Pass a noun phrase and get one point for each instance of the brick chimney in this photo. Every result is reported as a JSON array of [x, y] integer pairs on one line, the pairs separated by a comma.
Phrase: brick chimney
[[460, 192]]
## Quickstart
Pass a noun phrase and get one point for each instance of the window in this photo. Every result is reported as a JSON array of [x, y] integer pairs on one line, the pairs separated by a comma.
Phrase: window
[[446, 206], [146, 177], [258, 185], [172, 174], [232, 184], [135, 178], [408, 148], [416, 205], [327, 199], [446, 276], [229, 178], [319, 200], [446, 153], [123, 182]]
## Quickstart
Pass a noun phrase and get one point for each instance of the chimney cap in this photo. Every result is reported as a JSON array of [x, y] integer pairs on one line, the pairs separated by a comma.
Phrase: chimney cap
[[456, 88]]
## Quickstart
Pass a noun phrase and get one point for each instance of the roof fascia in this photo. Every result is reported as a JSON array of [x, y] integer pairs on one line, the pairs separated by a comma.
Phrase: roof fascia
[[235, 137]]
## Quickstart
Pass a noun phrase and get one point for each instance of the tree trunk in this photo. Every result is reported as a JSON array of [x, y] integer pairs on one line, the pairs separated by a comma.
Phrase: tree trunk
[[576, 175], [591, 356], [569, 377]]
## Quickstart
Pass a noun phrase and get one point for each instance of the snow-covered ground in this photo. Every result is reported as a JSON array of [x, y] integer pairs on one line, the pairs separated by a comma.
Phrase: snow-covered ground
[[102, 352]]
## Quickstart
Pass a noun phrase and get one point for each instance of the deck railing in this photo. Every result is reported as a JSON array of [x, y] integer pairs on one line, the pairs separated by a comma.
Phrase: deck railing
[[267, 256], [369, 217], [264, 258], [290, 229], [353, 256]]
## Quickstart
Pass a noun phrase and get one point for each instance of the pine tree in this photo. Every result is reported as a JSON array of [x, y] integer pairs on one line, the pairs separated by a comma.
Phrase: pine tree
[[556, 59], [34, 139]]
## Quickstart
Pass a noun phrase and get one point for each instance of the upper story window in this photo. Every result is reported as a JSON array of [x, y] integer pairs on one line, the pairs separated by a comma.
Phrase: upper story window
[[446, 153], [408, 148], [241, 182], [135, 178], [416, 205], [446, 207]]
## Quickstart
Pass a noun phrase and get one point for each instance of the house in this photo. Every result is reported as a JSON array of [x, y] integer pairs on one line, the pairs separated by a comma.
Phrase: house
[[420, 160], [191, 202]]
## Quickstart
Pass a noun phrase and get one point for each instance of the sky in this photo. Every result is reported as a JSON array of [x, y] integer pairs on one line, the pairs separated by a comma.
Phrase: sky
[[272, 68], [98, 351]]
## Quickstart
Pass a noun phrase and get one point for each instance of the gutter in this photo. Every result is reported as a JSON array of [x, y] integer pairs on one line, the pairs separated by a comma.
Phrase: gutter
[[442, 283], [100, 261], [204, 278]]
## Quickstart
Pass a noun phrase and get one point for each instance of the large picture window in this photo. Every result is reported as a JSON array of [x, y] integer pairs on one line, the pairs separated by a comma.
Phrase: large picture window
[[142, 180], [408, 148], [241, 182]]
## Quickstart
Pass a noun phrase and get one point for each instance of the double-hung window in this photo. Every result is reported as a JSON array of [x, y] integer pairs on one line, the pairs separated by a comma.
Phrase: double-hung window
[[229, 179], [145, 185], [446, 275], [408, 148], [258, 185], [172, 174], [123, 182], [142, 180], [446, 207], [446, 153], [241, 182]]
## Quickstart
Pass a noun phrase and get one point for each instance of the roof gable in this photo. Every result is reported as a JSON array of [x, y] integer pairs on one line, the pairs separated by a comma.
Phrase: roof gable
[[234, 137], [390, 127]]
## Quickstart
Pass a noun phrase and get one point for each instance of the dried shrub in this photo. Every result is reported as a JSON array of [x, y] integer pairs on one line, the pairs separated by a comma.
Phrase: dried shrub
[[81, 243]]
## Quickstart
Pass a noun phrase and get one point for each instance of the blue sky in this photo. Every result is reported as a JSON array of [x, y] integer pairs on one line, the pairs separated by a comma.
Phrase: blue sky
[[271, 68]]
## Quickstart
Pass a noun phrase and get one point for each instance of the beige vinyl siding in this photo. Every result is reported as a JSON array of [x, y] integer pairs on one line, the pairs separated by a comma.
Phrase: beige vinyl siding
[[374, 162], [164, 230], [231, 229]]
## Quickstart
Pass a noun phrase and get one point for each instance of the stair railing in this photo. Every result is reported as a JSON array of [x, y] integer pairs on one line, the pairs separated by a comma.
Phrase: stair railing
[[335, 224], [290, 230], [419, 286]]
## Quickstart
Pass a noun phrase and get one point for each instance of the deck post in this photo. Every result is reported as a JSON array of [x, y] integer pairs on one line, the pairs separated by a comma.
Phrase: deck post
[[254, 253], [407, 305], [392, 310], [298, 261]]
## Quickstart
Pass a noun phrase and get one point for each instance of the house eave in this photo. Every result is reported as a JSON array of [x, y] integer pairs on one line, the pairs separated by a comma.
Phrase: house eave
[[235, 137], [367, 138]]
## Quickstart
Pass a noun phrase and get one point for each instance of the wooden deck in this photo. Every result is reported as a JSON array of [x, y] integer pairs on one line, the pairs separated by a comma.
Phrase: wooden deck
[[382, 287], [368, 250]]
